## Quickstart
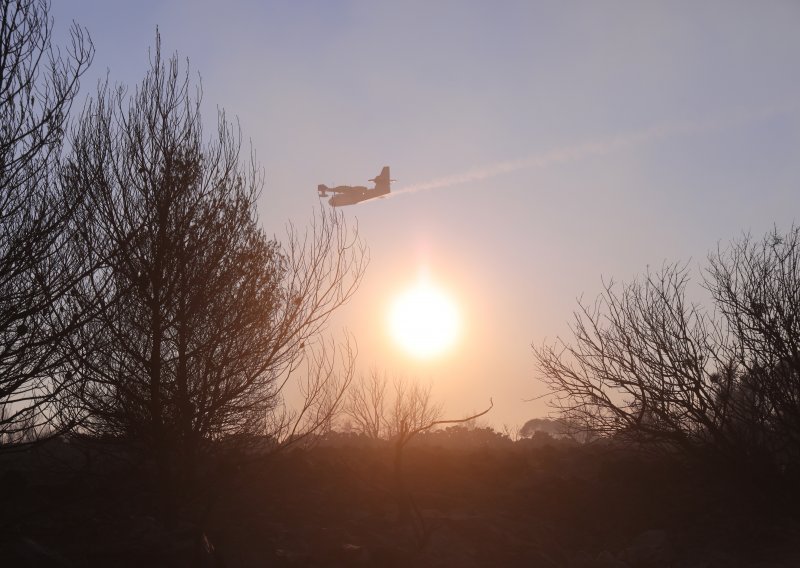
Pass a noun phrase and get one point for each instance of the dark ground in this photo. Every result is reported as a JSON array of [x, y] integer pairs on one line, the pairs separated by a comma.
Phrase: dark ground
[[503, 505]]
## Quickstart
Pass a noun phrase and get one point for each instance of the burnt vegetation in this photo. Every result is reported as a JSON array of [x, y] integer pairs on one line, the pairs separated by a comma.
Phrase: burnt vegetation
[[169, 396]]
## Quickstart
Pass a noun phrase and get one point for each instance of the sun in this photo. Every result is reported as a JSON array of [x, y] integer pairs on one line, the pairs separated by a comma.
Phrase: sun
[[424, 320]]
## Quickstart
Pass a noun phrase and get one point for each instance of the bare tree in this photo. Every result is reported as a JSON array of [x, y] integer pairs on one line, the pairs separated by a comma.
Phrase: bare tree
[[366, 405], [38, 264], [638, 356], [755, 286], [648, 364], [203, 317], [322, 388], [396, 414], [410, 412]]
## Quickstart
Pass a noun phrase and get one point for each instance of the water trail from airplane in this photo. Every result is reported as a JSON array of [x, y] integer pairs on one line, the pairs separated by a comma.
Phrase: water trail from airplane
[[598, 148]]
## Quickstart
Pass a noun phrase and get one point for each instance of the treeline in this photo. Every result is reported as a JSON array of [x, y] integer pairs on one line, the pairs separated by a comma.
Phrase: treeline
[[140, 299]]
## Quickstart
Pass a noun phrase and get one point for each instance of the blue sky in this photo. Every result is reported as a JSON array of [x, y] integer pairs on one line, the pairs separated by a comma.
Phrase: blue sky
[[631, 133]]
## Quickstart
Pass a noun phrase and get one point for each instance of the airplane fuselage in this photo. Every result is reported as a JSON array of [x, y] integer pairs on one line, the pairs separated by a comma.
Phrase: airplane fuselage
[[351, 198]]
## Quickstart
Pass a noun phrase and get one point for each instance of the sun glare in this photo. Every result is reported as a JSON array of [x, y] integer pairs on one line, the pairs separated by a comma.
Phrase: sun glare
[[424, 320]]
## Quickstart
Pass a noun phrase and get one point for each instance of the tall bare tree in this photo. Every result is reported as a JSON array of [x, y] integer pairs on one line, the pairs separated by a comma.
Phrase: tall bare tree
[[38, 264], [203, 316], [648, 364]]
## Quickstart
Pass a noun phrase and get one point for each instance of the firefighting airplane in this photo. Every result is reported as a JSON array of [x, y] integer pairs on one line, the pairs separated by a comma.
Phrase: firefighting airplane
[[351, 194]]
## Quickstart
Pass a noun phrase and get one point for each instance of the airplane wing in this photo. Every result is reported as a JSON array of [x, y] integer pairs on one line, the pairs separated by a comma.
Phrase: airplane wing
[[346, 189]]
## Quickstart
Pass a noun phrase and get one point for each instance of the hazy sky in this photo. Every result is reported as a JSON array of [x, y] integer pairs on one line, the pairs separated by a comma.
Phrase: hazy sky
[[550, 144]]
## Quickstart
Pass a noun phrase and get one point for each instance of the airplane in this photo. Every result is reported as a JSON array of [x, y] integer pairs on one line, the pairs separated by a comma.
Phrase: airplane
[[352, 194]]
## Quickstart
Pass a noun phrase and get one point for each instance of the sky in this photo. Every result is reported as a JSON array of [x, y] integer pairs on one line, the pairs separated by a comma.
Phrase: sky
[[538, 147]]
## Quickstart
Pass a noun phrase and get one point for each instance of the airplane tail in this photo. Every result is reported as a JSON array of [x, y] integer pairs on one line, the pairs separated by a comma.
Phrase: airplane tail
[[383, 176], [322, 189], [383, 181]]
